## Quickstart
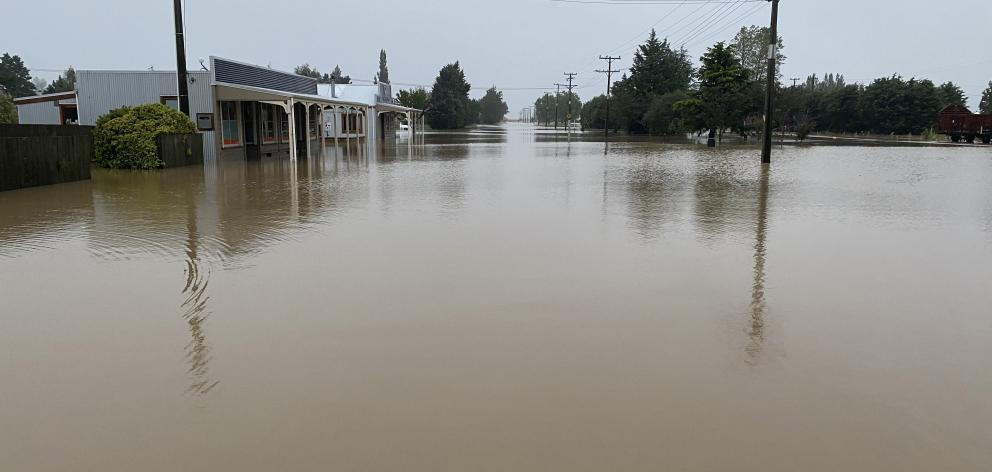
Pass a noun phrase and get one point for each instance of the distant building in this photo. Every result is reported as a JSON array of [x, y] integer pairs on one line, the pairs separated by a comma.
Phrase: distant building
[[242, 110]]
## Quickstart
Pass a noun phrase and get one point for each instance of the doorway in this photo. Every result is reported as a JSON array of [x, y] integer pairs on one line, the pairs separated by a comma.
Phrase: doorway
[[249, 121]]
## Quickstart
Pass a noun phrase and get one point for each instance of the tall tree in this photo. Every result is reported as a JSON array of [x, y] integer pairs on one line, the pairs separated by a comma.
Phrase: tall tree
[[449, 104], [413, 98], [985, 107], [8, 112], [951, 94], [722, 94], [492, 107], [383, 75], [337, 77], [659, 69], [64, 83], [15, 77], [750, 46]]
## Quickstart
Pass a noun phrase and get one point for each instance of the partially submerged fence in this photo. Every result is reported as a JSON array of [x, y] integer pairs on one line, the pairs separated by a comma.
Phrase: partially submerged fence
[[178, 150], [32, 155]]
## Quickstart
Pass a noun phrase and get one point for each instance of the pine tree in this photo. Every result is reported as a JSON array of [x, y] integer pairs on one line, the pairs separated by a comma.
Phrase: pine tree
[[15, 78], [659, 69], [985, 107], [449, 107], [722, 85], [383, 75], [493, 108], [65, 83]]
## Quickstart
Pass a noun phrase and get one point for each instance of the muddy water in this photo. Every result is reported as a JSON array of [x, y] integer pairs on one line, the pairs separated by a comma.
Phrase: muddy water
[[496, 301]]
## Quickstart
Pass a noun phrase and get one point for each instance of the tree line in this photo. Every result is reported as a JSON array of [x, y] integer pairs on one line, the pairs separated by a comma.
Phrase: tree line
[[664, 94]]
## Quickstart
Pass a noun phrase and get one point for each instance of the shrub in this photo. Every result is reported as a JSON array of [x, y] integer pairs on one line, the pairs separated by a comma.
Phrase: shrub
[[8, 111], [125, 138]]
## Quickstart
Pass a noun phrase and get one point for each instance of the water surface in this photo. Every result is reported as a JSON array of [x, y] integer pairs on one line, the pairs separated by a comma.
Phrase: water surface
[[503, 300]]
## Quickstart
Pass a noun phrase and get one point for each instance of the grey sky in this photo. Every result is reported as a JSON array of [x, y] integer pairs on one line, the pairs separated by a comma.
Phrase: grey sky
[[507, 43]]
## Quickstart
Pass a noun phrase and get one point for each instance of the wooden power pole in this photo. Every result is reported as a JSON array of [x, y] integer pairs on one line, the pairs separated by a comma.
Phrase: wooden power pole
[[609, 82], [568, 115], [766, 146], [182, 83]]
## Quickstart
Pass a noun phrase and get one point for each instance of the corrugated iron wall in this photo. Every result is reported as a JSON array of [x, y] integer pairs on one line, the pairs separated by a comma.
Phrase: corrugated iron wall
[[42, 113], [101, 91]]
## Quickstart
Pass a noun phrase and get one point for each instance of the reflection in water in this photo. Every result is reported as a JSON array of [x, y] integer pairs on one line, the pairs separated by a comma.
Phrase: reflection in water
[[194, 308], [756, 331]]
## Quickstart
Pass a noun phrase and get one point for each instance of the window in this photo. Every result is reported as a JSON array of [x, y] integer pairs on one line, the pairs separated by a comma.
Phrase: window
[[284, 126], [268, 123], [314, 122], [170, 101], [248, 116], [230, 129]]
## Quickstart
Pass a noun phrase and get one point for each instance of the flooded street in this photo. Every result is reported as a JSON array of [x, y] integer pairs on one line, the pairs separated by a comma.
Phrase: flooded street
[[499, 300]]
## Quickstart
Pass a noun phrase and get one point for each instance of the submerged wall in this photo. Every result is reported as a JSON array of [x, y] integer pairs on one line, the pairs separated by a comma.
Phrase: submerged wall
[[32, 155]]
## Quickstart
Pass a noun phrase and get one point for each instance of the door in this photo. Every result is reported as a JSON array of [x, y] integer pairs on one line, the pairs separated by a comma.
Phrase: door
[[250, 123]]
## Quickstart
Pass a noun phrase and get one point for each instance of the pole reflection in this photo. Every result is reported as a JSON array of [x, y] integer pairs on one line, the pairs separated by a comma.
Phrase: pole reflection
[[756, 328], [194, 309]]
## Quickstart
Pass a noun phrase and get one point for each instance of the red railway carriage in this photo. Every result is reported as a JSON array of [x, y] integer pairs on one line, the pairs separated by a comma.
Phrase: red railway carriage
[[959, 123]]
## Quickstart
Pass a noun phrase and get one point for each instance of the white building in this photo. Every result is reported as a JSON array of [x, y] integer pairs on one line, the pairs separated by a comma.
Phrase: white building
[[243, 110]]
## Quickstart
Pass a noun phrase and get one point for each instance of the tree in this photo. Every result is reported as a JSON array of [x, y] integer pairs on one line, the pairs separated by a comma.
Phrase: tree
[[750, 46], [723, 85], [15, 78], [64, 83], [951, 94], [985, 107], [659, 69], [413, 98], [307, 71], [492, 107], [449, 103], [661, 117], [8, 111], [383, 75], [337, 78], [473, 110], [39, 84]]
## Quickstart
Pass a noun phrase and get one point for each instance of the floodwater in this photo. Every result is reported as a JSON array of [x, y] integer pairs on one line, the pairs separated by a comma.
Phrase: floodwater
[[498, 300]]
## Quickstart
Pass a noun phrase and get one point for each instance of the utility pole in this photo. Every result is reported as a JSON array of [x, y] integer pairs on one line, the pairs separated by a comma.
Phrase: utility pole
[[182, 83], [795, 80], [609, 81], [568, 116], [557, 94], [766, 147]]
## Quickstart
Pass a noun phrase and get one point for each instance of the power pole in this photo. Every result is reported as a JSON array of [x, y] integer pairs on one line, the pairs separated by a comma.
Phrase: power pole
[[557, 94], [795, 80], [182, 91], [609, 82], [568, 116], [766, 147]]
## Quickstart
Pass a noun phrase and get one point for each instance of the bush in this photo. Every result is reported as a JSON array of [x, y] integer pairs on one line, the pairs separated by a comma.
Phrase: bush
[[8, 111], [125, 138]]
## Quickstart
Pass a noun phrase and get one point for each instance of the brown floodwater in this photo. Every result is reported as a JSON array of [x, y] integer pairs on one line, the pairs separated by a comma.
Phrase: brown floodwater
[[499, 300]]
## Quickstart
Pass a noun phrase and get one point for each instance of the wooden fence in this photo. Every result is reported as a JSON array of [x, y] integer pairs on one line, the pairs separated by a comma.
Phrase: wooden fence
[[32, 155], [178, 150]]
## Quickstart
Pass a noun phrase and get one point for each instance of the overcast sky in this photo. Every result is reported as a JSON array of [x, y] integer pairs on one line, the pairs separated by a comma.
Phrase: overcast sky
[[513, 44]]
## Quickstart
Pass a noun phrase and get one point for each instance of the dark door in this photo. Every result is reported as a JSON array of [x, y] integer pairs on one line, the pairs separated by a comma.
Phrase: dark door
[[301, 130], [250, 123]]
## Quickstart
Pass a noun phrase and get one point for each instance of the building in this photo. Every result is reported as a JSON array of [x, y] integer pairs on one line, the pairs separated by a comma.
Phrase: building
[[243, 111]]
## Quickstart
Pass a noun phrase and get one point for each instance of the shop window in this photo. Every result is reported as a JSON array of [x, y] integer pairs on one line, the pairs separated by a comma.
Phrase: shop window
[[283, 126], [268, 124], [230, 128]]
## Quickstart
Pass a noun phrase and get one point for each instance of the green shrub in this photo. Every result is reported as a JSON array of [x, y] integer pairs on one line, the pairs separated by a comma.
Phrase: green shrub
[[8, 111], [125, 138]]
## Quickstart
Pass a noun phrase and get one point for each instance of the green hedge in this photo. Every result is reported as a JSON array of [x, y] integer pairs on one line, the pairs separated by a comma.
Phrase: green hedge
[[125, 138]]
